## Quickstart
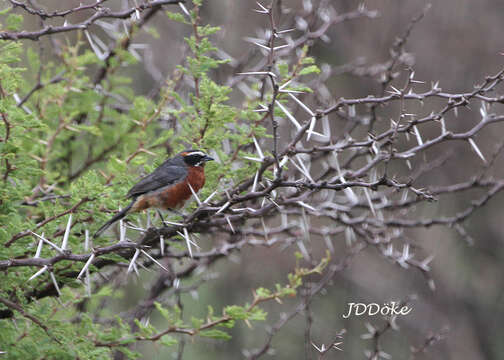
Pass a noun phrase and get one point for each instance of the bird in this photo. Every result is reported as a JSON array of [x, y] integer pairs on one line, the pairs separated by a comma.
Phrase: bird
[[167, 187]]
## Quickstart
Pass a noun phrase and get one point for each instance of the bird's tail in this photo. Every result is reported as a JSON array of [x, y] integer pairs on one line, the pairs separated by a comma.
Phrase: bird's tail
[[116, 217]]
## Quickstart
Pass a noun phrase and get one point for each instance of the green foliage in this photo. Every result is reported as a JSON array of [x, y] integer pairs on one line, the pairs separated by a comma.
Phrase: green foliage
[[14, 22], [312, 69], [215, 334]]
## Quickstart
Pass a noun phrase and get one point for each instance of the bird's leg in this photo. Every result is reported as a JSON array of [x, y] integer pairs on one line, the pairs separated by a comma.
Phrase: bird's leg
[[176, 212], [160, 216]]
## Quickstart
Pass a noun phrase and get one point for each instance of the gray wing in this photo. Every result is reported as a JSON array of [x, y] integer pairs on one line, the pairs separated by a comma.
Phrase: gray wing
[[164, 175]]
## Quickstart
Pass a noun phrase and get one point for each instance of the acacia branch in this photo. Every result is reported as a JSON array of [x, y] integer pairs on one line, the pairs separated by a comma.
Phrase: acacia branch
[[101, 13]]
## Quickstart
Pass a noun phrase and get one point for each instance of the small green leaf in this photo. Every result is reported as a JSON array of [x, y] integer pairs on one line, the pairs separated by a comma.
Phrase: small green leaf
[[14, 22], [177, 17], [312, 69], [168, 341], [236, 312], [215, 334]]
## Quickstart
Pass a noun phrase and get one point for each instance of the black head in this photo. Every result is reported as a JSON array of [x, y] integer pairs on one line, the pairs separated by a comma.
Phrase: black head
[[195, 157]]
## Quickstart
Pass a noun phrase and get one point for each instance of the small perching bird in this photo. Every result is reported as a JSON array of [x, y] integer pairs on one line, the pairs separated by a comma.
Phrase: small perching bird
[[167, 187]]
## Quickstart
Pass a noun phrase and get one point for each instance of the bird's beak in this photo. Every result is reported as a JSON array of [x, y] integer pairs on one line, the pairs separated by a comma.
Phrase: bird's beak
[[208, 158]]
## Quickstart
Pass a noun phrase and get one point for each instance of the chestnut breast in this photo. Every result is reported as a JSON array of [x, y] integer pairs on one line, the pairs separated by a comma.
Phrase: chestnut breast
[[173, 196]]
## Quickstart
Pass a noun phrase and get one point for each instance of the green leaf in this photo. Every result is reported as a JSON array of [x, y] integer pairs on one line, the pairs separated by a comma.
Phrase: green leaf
[[14, 22], [164, 312], [263, 292], [177, 17], [236, 312], [215, 334], [312, 69], [167, 340], [258, 314]]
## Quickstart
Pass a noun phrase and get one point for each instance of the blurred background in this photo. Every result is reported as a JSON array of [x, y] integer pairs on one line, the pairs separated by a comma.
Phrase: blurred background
[[457, 44]]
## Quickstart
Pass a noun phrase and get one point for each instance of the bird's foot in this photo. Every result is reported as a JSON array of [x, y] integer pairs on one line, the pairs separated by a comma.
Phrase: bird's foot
[[175, 212]]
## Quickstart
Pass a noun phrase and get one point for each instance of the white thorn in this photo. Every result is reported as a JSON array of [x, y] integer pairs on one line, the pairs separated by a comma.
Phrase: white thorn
[[53, 278], [289, 115], [280, 47], [86, 240], [132, 262], [39, 248], [397, 92], [310, 130], [338, 168], [432, 284], [389, 251], [148, 225], [329, 244], [56, 247], [302, 249], [95, 48], [316, 347], [285, 31], [483, 111], [135, 269], [291, 91], [173, 223], [161, 244], [274, 203], [285, 84], [254, 185], [185, 235], [404, 196], [44, 268], [154, 260], [476, 149], [262, 7], [261, 45], [184, 9], [194, 194], [86, 266], [303, 204], [306, 172], [405, 253], [88, 283], [351, 111], [262, 109], [64, 244], [257, 72], [370, 202], [253, 159], [443, 126], [258, 148], [417, 134], [211, 196], [230, 224], [425, 264], [349, 236], [306, 108], [284, 160], [223, 207]]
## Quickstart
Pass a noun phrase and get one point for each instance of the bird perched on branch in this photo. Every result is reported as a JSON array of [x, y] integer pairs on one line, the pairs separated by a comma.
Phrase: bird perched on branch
[[167, 187]]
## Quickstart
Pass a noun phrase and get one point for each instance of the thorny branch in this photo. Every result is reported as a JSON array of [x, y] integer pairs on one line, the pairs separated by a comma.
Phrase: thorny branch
[[100, 13], [14, 306]]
